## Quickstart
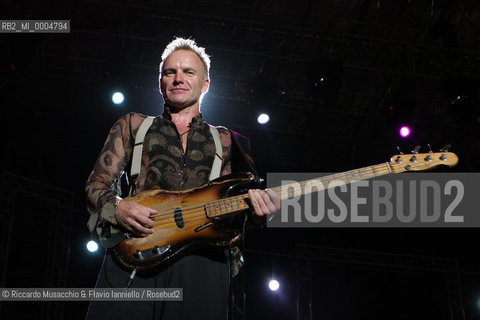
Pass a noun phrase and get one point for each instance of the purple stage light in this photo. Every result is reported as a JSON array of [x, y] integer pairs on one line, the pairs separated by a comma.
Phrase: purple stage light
[[405, 131]]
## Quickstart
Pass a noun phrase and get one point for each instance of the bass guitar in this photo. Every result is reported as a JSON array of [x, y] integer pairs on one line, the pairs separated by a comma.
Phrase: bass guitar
[[202, 216]]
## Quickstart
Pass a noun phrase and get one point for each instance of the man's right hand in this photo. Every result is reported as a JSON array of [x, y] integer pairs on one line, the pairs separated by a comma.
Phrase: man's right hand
[[135, 218]]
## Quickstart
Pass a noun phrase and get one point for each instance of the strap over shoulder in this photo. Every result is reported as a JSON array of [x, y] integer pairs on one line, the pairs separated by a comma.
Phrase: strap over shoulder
[[137, 149], [217, 161]]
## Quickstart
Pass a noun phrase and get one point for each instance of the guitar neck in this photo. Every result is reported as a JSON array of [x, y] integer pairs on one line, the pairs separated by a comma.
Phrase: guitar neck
[[238, 203], [400, 163], [289, 191]]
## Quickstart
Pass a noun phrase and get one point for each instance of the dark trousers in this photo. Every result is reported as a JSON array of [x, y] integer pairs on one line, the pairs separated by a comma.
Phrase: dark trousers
[[205, 283]]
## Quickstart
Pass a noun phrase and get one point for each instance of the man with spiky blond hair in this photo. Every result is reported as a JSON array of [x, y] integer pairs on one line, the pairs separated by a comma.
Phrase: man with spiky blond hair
[[178, 153]]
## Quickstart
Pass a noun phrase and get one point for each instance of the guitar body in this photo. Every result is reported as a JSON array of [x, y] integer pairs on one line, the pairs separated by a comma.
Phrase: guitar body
[[184, 221]]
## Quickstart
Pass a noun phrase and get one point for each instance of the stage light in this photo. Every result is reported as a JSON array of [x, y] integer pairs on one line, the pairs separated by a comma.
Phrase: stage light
[[463, 100], [263, 118], [273, 285], [405, 131], [325, 80], [118, 97], [92, 246]]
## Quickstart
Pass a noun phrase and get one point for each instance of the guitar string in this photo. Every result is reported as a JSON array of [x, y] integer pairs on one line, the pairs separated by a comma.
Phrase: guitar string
[[191, 213]]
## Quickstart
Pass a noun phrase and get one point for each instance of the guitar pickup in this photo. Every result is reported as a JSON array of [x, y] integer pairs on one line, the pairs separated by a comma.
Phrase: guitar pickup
[[149, 253]]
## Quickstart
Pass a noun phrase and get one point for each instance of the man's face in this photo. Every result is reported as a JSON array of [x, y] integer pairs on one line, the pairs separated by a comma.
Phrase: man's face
[[182, 80]]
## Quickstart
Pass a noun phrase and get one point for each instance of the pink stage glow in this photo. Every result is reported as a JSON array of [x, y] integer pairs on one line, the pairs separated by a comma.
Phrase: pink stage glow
[[404, 131]]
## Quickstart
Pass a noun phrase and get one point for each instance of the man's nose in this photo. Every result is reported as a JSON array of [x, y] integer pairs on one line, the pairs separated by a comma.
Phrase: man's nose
[[178, 78]]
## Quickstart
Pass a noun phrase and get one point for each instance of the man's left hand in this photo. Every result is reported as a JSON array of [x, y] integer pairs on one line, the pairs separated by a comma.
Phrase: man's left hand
[[264, 202]]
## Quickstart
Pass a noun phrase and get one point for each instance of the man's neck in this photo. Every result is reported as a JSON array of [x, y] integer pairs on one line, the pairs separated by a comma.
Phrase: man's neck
[[183, 116]]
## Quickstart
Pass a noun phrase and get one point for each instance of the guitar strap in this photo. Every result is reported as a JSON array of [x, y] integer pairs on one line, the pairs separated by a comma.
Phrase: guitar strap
[[137, 153], [217, 161]]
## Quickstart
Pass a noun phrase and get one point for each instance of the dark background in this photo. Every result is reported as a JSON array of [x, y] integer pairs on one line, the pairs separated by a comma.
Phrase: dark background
[[383, 63]]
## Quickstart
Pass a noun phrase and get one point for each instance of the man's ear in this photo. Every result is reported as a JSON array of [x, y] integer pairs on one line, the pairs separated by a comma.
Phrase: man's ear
[[206, 85], [160, 84]]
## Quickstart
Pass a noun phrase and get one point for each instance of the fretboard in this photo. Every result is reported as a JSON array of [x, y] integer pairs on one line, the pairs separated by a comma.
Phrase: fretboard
[[238, 203]]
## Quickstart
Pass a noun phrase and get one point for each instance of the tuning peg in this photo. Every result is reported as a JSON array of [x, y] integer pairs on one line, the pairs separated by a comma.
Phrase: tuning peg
[[399, 151], [417, 148], [445, 148], [429, 148]]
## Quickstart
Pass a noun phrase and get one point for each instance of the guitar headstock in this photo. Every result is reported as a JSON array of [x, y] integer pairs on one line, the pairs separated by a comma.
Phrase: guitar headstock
[[422, 161]]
